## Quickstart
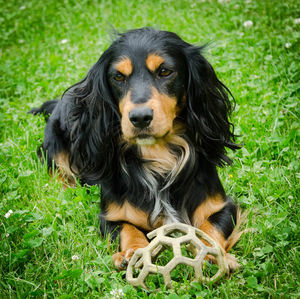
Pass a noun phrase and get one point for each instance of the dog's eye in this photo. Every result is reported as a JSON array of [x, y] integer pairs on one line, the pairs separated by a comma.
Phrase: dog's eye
[[163, 72], [119, 77]]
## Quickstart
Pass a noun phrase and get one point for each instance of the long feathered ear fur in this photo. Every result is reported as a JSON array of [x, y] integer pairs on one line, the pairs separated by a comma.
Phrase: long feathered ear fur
[[208, 109], [93, 123]]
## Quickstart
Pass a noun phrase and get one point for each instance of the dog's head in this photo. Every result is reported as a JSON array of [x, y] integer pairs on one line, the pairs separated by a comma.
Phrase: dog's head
[[147, 79], [146, 83]]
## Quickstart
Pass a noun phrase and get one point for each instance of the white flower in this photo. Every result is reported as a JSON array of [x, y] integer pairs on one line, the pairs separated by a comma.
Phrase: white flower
[[22, 7], [75, 257], [297, 21], [117, 293], [8, 214], [7, 235], [268, 57], [223, 1], [248, 24], [63, 41], [288, 45]]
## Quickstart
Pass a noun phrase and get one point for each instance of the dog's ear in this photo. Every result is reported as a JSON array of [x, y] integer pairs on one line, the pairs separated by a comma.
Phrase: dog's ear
[[93, 123], [208, 108]]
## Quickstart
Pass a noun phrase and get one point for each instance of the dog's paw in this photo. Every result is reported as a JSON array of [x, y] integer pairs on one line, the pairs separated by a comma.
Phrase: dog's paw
[[232, 262], [121, 259], [230, 259], [211, 259]]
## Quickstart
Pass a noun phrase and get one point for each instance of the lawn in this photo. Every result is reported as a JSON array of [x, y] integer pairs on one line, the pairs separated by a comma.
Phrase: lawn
[[49, 242]]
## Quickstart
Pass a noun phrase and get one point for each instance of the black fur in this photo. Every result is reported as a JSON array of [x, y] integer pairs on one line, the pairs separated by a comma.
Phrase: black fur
[[46, 109], [86, 125]]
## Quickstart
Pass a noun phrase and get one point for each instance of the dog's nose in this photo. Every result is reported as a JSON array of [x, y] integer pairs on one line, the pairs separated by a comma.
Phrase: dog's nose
[[141, 117]]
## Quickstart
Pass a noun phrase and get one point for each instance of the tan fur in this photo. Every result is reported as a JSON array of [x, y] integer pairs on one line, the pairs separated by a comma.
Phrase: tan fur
[[237, 232], [125, 107], [65, 173], [164, 112], [210, 206], [201, 214], [153, 61], [131, 239], [162, 160], [124, 66], [208, 228], [127, 213], [200, 220], [125, 104]]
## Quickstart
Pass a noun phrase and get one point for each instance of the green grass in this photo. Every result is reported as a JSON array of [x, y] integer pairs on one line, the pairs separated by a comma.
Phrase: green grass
[[49, 225]]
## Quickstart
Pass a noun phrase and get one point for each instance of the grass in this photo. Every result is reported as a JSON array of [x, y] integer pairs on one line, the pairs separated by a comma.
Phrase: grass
[[48, 45]]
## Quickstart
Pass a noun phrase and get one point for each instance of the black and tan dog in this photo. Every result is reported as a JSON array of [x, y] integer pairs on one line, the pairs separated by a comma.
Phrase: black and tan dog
[[149, 123]]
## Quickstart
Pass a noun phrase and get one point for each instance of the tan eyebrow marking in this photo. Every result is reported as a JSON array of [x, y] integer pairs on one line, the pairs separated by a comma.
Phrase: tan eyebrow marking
[[153, 61], [124, 66]]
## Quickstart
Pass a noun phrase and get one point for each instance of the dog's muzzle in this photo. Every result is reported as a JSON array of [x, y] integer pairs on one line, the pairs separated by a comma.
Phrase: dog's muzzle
[[141, 117]]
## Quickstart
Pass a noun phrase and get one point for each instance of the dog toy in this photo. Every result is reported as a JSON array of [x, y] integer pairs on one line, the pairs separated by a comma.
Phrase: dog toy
[[179, 238]]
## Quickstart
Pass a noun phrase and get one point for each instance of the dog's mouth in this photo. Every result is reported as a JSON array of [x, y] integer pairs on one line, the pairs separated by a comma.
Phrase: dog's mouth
[[148, 139], [145, 139]]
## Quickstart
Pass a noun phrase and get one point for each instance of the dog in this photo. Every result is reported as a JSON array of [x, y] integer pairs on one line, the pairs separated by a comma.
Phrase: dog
[[149, 123]]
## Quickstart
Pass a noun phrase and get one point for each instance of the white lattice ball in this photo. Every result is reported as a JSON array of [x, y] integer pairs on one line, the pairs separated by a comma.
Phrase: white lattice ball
[[179, 238]]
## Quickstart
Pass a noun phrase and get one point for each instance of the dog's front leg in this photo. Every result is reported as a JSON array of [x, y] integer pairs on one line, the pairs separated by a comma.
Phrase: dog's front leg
[[131, 239], [217, 217]]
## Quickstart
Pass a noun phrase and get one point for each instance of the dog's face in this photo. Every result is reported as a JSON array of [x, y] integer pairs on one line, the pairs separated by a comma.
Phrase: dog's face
[[155, 86], [148, 82]]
